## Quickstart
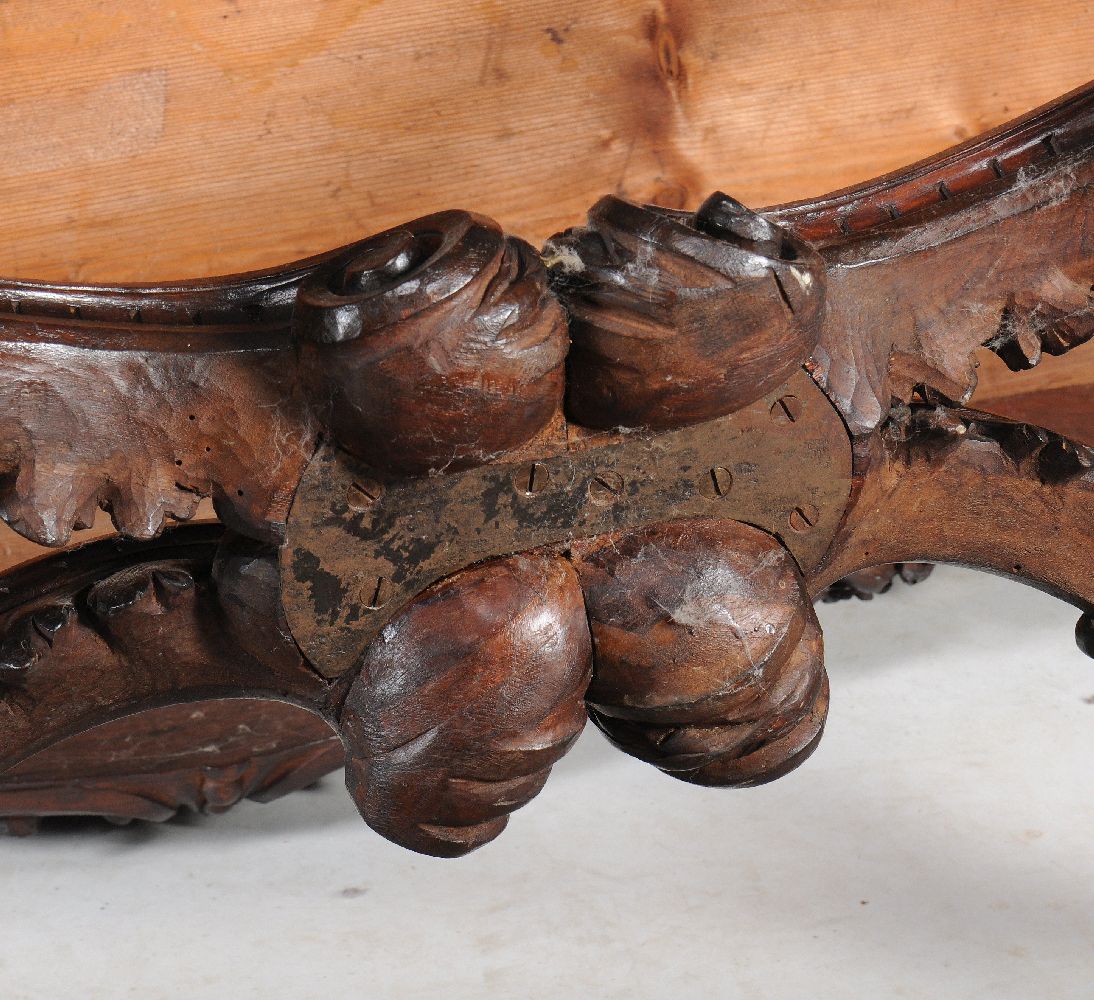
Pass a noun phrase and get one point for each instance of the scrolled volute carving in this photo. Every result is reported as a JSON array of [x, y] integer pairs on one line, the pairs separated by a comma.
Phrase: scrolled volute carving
[[678, 318], [436, 345]]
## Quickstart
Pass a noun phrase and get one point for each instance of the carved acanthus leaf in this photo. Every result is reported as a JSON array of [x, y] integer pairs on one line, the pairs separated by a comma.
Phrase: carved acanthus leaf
[[927, 430], [111, 628], [1030, 329], [145, 432]]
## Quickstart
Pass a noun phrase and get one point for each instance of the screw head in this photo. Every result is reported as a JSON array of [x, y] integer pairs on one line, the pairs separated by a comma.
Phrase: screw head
[[363, 495], [377, 592], [803, 518], [531, 479], [606, 487], [716, 483], [787, 410]]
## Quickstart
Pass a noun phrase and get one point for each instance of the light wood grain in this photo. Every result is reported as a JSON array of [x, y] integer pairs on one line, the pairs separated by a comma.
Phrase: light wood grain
[[166, 139], [999, 382]]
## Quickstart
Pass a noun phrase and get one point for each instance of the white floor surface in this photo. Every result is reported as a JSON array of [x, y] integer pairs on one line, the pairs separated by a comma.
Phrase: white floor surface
[[939, 844]]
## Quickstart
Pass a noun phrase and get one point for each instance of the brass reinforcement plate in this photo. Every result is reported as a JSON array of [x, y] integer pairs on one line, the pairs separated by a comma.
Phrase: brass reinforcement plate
[[360, 545]]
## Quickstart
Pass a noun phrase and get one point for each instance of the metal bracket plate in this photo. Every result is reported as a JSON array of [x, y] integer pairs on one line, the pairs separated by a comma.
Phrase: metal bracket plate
[[360, 545]]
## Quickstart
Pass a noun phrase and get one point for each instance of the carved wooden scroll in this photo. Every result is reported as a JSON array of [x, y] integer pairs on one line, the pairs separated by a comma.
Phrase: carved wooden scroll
[[471, 493], [433, 346], [676, 320], [466, 700], [709, 655]]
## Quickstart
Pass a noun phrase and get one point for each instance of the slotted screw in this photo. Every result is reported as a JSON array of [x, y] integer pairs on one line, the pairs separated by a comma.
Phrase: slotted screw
[[606, 487], [531, 479], [378, 593], [363, 495], [716, 483], [787, 410], [804, 517]]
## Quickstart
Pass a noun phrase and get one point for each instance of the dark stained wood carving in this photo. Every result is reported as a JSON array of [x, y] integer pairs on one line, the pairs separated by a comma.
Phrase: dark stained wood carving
[[1084, 633], [1032, 328], [116, 628], [709, 660], [201, 756], [465, 701], [144, 423], [467, 489], [679, 318], [866, 584], [930, 263], [434, 346], [947, 484]]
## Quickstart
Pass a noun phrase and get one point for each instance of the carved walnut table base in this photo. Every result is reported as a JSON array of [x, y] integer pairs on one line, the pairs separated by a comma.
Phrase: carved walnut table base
[[470, 494]]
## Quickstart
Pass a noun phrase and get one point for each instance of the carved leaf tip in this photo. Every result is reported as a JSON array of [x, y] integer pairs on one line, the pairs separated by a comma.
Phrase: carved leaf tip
[[1029, 330]]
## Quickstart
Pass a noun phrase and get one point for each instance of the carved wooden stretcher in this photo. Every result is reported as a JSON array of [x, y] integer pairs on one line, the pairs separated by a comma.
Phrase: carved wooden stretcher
[[470, 494]]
